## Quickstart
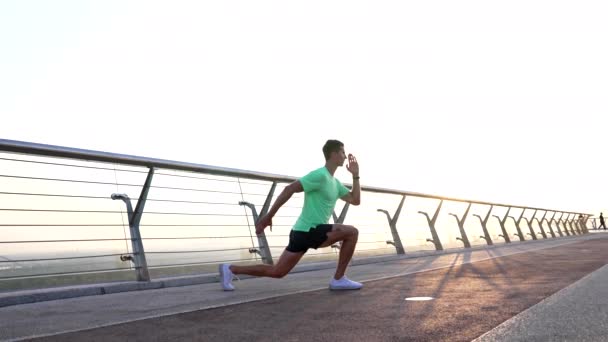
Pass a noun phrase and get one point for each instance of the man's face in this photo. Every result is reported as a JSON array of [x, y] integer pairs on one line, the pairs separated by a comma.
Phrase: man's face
[[339, 156]]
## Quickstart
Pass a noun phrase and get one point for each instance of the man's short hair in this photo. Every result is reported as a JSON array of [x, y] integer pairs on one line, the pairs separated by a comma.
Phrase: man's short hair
[[331, 146]]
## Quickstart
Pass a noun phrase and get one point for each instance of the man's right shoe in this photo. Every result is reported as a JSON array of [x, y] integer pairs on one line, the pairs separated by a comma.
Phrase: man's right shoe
[[226, 277], [344, 284]]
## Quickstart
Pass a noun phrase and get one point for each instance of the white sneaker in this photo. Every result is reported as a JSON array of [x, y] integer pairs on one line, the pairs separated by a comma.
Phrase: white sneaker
[[226, 277], [344, 284]]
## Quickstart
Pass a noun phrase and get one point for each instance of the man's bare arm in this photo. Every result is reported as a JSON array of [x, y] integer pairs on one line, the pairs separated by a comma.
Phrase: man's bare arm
[[354, 196], [285, 195]]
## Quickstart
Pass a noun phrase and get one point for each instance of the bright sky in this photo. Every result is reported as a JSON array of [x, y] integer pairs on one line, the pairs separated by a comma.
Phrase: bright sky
[[486, 100]]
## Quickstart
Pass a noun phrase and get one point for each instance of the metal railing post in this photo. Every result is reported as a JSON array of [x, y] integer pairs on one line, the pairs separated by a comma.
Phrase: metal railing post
[[577, 225], [559, 231], [262, 241], [392, 222], [574, 225], [435, 240], [540, 225], [532, 233], [505, 234], [565, 223], [139, 256], [581, 224], [585, 228], [484, 223], [519, 233], [570, 221], [340, 219], [549, 224], [463, 234]]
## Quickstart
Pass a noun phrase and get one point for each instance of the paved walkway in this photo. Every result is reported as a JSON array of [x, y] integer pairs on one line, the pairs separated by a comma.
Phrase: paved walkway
[[474, 292], [577, 313]]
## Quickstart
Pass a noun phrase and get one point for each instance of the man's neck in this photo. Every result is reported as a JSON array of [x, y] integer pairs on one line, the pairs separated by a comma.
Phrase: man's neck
[[331, 167]]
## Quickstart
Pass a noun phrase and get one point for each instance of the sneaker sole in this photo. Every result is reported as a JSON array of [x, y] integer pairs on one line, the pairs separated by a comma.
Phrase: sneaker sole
[[345, 288]]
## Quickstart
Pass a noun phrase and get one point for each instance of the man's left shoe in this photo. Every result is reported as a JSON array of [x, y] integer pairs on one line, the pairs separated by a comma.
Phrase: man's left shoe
[[226, 277], [344, 284]]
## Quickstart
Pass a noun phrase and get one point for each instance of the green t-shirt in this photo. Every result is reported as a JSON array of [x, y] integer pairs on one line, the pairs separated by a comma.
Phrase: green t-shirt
[[321, 192]]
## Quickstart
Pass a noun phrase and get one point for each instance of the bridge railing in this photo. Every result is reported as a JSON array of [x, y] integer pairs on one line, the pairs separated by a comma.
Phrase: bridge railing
[[79, 216]]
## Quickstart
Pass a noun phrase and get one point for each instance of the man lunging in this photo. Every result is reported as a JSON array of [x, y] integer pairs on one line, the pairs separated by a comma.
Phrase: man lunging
[[311, 230]]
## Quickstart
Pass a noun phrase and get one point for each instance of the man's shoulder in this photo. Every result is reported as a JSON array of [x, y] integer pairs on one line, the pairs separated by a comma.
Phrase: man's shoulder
[[318, 171]]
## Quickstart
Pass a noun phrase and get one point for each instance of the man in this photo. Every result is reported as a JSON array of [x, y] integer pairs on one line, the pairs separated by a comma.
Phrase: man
[[602, 223], [321, 192]]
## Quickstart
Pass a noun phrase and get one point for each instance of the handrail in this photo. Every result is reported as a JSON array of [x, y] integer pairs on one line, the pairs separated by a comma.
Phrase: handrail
[[23, 147]]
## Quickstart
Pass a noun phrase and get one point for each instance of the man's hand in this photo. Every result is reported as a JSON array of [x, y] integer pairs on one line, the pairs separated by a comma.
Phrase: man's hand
[[262, 223], [352, 166]]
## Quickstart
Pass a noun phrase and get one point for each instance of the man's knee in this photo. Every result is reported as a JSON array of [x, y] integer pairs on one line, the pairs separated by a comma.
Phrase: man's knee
[[350, 231], [278, 273]]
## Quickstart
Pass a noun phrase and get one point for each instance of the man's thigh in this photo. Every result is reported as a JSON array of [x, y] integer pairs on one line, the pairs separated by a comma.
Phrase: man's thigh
[[339, 232]]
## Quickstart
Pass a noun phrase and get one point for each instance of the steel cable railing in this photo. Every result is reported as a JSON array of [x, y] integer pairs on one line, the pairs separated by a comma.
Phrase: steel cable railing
[[195, 216]]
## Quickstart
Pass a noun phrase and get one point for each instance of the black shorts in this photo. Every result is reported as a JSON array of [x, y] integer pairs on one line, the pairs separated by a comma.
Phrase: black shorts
[[302, 241]]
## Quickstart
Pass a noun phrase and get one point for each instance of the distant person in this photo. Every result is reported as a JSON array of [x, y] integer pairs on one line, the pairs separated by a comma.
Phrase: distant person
[[311, 230], [602, 223]]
